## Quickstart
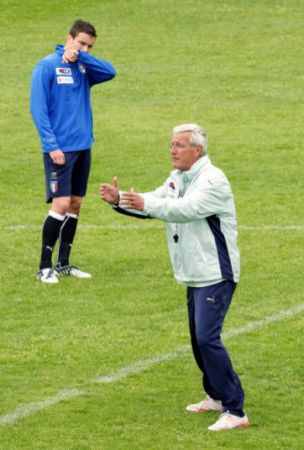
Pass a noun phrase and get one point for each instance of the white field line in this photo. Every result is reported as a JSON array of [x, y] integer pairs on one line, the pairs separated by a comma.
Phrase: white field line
[[153, 224], [31, 408], [271, 227], [140, 366]]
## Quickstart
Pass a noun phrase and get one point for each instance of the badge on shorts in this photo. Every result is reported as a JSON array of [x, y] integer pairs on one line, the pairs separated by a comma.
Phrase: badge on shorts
[[53, 182]]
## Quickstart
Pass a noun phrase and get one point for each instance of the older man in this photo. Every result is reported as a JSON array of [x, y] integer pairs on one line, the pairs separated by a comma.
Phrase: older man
[[197, 204]]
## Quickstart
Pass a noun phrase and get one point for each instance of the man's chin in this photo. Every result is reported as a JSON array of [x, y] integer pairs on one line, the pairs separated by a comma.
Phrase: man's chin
[[178, 167]]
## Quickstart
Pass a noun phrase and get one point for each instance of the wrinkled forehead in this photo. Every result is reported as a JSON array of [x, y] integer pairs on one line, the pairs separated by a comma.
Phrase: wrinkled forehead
[[182, 136]]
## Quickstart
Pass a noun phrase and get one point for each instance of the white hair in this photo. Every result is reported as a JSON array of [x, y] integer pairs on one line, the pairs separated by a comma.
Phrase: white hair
[[198, 134]]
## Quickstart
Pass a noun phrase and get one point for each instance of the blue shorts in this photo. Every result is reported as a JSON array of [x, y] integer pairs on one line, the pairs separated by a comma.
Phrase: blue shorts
[[69, 179]]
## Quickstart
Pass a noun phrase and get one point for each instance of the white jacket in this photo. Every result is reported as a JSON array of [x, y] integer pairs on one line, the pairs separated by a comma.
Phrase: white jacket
[[198, 207]]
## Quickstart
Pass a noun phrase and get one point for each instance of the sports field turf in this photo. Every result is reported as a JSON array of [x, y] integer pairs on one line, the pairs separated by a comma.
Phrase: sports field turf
[[105, 364]]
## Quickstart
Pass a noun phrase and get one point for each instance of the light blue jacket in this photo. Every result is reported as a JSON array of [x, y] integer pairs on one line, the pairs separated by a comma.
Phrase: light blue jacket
[[199, 210]]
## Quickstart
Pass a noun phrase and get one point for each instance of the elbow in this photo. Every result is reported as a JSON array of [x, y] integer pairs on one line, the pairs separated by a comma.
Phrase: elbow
[[112, 73], [109, 75]]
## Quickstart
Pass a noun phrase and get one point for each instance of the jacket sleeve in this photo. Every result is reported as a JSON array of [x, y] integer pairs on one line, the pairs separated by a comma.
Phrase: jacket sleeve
[[98, 70], [209, 198], [39, 107], [159, 192]]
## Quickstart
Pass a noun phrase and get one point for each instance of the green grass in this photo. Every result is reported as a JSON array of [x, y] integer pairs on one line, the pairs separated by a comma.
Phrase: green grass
[[235, 67]]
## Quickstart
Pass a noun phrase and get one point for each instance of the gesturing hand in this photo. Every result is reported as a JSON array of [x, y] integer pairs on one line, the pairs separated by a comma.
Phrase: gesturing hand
[[131, 200], [110, 192]]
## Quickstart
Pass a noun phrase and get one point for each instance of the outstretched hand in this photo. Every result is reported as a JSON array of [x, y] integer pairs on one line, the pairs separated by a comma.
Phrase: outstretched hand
[[110, 192], [131, 200]]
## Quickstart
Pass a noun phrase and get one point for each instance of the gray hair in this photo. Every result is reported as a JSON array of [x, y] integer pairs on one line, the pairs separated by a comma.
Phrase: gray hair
[[198, 135]]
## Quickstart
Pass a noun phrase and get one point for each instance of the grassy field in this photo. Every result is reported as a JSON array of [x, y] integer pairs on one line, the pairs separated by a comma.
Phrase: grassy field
[[105, 364]]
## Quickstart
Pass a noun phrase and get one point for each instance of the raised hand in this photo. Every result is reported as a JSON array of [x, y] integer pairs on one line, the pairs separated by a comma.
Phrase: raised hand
[[110, 192]]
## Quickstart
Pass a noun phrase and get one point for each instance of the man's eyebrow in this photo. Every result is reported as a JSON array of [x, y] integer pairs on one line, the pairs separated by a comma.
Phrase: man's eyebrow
[[84, 43]]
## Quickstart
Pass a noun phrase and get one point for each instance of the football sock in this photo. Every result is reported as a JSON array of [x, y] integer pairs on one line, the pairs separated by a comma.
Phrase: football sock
[[50, 234], [66, 238]]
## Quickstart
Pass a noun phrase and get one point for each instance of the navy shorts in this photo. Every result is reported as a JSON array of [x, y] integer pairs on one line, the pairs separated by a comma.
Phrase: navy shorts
[[69, 179]]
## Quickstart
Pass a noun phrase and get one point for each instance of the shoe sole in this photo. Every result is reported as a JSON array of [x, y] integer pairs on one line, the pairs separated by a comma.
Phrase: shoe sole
[[242, 426], [73, 276], [204, 411], [47, 282]]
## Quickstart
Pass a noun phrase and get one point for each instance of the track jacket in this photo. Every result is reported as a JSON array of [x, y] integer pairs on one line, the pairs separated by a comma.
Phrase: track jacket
[[60, 99], [198, 207]]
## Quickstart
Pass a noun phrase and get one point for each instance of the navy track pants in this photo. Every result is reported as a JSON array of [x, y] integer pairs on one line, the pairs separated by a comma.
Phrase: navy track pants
[[207, 308]]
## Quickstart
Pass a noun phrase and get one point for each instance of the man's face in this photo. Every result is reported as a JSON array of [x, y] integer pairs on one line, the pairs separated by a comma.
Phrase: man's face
[[183, 154], [82, 41]]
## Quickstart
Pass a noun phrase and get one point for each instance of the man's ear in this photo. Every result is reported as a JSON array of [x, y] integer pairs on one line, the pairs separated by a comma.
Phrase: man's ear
[[200, 150]]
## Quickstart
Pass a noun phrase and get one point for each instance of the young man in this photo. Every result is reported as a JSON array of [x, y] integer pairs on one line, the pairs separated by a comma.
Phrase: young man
[[197, 204], [61, 110]]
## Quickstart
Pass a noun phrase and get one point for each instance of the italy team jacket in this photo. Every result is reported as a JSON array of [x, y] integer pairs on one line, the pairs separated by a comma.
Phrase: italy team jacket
[[60, 99]]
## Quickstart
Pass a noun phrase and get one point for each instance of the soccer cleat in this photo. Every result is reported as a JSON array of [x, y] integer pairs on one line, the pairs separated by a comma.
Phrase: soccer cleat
[[70, 270], [229, 421], [47, 276], [205, 406]]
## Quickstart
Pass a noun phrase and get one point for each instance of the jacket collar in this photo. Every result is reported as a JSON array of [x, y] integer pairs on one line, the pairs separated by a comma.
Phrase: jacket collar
[[59, 49], [188, 175]]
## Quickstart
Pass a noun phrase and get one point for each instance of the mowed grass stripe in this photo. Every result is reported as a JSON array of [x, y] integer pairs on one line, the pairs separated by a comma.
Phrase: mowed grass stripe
[[156, 224], [138, 367]]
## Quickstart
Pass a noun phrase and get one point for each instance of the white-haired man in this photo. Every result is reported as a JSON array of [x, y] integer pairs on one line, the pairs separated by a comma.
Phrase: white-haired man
[[196, 202]]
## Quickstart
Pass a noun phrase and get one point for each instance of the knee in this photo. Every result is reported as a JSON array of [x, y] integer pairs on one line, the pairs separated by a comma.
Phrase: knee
[[61, 205], [207, 339], [75, 205], [203, 338]]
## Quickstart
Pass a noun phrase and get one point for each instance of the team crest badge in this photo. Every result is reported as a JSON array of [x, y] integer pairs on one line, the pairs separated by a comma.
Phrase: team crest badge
[[53, 182], [82, 68]]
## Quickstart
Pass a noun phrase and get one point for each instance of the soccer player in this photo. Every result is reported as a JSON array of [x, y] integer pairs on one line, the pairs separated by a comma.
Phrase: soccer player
[[61, 110], [196, 202]]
